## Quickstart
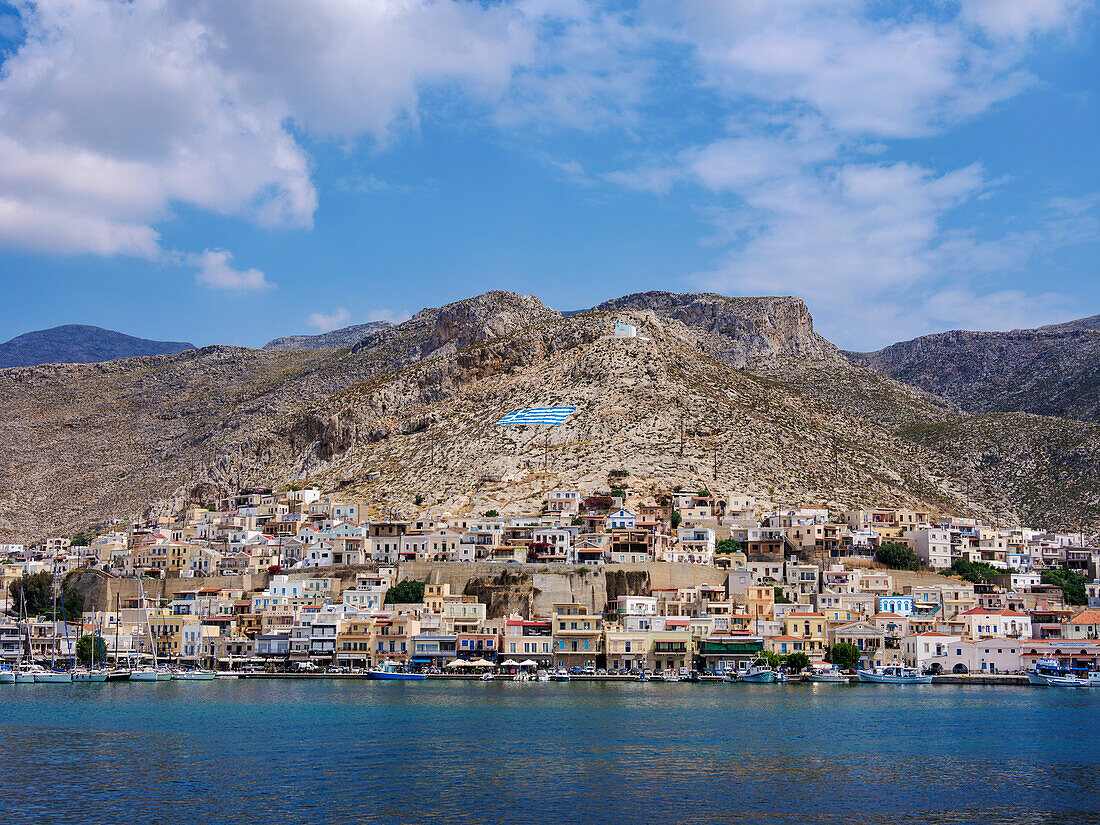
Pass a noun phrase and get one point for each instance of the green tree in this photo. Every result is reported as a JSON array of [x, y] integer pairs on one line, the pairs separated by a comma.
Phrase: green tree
[[84, 647], [418, 500], [728, 546], [1072, 584], [618, 492], [491, 514], [797, 662], [676, 519], [897, 556], [975, 572], [772, 659], [844, 655], [780, 596], [577, 521], [406, 591], [36, 589], [80, 540]]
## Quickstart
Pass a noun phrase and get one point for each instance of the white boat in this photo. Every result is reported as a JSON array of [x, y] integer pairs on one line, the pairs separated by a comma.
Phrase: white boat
[[89, 675], [193, 675], [54, 677], [672, 676], [894, 675], [758, 672], [542, 676], [7, 677], [25, 673], [150, 674], [486, 677], [560, 675], [827, 675]]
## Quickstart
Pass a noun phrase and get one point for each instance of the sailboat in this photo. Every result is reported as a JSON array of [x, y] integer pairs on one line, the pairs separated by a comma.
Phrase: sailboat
[[154, 673], [54, 676], [26, 669], [91, 673]]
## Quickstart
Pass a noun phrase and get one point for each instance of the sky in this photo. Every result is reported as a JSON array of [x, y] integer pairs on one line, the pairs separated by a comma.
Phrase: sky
[[232, 172]]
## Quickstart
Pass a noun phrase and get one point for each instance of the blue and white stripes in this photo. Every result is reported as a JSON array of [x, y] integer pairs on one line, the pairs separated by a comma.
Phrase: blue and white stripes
[[538, 415]]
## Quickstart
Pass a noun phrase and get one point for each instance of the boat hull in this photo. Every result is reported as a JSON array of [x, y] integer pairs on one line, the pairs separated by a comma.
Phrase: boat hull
[[53, 678], [881, 679], [150, 676], [1055, 681], [89, 677], [765, 678], [828, 679], [202, 676], [7, 678], [24, 678]]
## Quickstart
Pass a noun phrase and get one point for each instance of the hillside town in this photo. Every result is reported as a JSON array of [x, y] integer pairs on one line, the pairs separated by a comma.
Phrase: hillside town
[[687, 582]]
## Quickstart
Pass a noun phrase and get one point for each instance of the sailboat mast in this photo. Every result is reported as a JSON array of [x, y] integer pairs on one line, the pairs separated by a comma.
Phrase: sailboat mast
[[118, 598]]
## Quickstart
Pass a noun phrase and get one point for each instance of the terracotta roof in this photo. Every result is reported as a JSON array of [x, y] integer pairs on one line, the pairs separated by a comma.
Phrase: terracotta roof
[[1087, 617]]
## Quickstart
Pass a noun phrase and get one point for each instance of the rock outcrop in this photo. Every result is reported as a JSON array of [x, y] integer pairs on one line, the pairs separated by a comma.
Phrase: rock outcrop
[[1051, 370], [343, 337]]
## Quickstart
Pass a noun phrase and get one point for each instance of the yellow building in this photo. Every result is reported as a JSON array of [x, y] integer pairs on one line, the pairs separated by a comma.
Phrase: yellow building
[[810, 628]]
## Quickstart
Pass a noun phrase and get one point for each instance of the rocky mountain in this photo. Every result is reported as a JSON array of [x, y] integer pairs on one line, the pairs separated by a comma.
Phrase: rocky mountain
[[343, 337], [732, 393], [1053, 370], [79, 344]]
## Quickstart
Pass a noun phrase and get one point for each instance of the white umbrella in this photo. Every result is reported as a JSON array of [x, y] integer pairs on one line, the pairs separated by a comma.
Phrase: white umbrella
[[480, 663], [510, 663], [456, 663], [528, 663]]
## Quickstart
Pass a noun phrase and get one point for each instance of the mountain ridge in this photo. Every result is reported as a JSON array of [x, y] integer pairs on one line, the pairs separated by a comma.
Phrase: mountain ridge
[[80, 344]]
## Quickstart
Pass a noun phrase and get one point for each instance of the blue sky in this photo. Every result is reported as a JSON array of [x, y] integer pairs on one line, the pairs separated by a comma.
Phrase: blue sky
[[229, 173]]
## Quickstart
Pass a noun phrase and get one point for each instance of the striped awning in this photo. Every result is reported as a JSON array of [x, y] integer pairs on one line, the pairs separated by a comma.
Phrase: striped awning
[[538, 415]]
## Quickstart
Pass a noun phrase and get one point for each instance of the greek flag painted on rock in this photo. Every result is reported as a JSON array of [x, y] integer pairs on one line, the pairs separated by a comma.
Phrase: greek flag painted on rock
[[538, 415]]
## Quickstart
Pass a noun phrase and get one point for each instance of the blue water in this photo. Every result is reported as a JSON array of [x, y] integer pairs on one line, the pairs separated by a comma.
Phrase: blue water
[[442, 752]]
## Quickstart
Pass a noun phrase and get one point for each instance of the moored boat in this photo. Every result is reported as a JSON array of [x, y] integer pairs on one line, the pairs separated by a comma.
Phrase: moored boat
[[193, 675], [89, 675], [758, 672], [54, 677], [827, 675], [560, 675], [7, 676], [1048, 673], [894, 675], [393, 672]]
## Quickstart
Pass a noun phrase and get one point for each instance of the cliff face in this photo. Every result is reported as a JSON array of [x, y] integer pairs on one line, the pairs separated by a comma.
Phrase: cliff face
[[343, 337], [765, 404], [1046, 371], [79, 344], [741, 332]]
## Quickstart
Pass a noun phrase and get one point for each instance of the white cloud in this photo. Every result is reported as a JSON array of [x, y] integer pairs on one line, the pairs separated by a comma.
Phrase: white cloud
[[216, 271], [1020, 19], [324, 322]]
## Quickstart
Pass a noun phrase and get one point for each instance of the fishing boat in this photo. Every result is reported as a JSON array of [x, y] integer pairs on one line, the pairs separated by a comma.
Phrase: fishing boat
[[392, 672], [828, 675], [894, 675], [758, 672], [560, 675], [672, 676], [542, 676], [1048, 673], [642, 677]]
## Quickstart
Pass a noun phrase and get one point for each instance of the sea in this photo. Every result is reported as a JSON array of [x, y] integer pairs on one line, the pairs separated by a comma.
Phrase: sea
[[351, 751]]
